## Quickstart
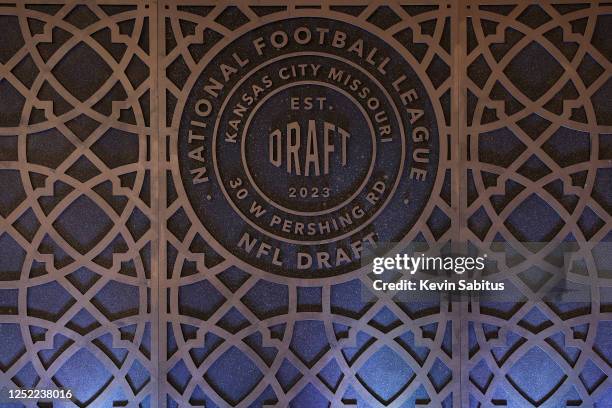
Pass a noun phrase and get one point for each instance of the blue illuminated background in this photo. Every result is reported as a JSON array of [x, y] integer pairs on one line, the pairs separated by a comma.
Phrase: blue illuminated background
[[108, 288]]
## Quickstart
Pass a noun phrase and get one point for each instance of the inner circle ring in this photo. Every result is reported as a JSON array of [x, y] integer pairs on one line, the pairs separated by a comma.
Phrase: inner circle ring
[[400, 170]]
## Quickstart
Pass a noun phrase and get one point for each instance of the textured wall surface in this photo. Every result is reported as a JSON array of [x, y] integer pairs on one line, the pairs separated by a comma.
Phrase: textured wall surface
[[116, 280]]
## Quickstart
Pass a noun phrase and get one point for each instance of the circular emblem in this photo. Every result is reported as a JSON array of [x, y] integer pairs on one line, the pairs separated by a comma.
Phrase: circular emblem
[[306, 142]]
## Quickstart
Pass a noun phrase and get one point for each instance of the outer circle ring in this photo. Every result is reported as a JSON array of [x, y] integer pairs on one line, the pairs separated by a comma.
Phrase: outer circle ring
[[418, 69]]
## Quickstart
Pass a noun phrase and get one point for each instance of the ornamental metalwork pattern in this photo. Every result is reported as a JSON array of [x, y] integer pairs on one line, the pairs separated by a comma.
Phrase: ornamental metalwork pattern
[[536, 131], [78, 235], [114, 284], [240, 336]]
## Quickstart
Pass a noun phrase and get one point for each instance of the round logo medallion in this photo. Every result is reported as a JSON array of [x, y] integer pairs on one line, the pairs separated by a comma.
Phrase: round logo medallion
[[304, 143]]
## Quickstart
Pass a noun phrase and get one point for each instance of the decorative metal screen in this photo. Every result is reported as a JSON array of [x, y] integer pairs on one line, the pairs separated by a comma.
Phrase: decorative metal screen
[[135, 270]]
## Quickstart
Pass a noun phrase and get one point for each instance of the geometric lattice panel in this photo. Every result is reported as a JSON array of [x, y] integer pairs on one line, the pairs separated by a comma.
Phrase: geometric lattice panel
[[236, 334], [537, 131], [77, 233]]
